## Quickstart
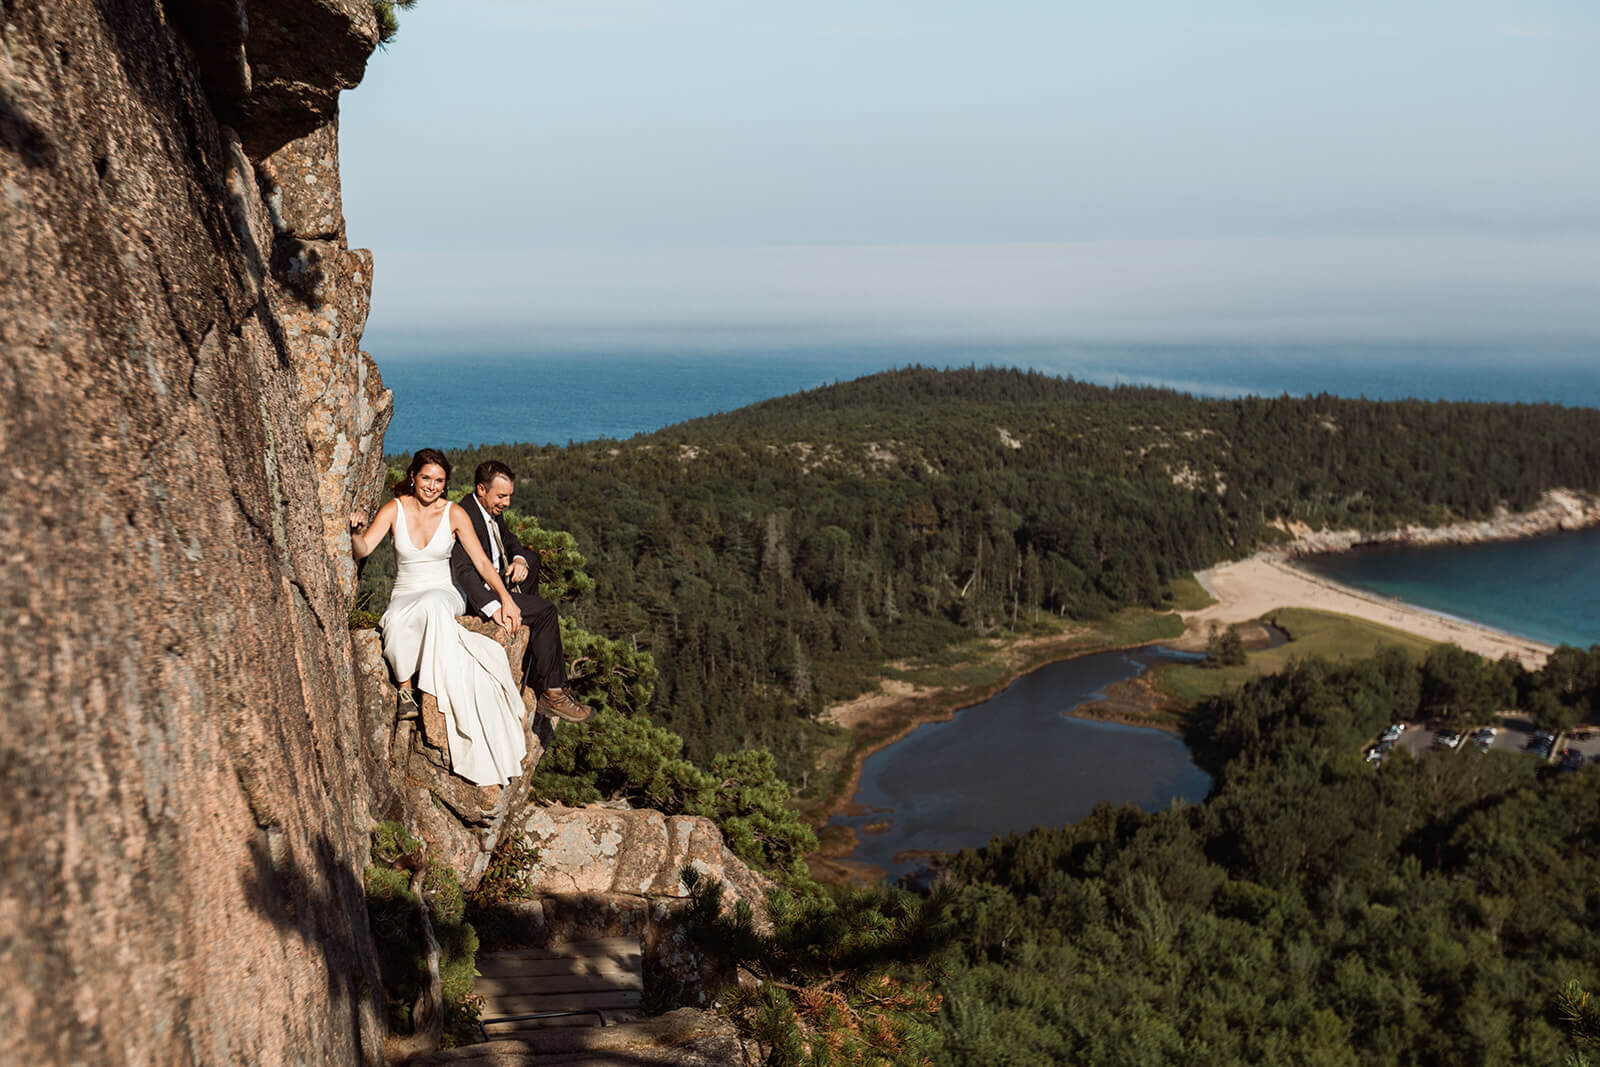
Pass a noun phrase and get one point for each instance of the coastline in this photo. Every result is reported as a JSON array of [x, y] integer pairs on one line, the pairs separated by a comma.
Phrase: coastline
[[1248, 589], [1558, 510], [1244, 591]]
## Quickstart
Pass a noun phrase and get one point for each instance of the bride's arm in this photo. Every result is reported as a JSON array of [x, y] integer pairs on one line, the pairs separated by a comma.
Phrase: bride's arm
[[363, 541], [509, 615]]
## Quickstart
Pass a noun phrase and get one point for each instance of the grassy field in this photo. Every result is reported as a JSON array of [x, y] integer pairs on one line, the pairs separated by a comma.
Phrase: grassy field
[[985, 662], [1311, 633], [1189, 595]]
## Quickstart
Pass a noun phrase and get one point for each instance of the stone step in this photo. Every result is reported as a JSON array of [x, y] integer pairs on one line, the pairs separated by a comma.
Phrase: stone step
[[617, 949], [597, 980], [605, 999], [603, 975], [682, 1038]]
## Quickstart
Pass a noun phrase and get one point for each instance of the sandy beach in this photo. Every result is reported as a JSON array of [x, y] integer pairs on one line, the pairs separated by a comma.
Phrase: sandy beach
[[1253, 587]]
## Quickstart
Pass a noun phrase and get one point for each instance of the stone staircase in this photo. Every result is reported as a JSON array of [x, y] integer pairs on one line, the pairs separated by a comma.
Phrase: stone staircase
[[682, 1038], [609, 896], [590, 983]]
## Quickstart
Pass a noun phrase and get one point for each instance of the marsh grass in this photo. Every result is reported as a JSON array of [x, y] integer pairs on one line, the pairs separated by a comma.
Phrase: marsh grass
[[1188, 595], [1324, 634]]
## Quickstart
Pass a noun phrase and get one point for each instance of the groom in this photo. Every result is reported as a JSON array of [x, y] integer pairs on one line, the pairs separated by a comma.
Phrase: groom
[[544, 667]]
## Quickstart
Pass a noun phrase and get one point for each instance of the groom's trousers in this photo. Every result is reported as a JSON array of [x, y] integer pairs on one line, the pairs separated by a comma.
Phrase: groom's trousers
[[545, 664]]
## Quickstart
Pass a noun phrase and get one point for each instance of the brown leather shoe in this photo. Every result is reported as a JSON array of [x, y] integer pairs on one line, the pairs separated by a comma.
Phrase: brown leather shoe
[[558, 703]]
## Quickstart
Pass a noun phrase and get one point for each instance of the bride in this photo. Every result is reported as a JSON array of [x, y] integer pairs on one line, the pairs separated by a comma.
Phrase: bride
[[467, 673]]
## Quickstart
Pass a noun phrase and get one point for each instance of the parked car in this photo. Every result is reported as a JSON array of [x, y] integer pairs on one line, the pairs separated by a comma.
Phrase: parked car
[[1571, 759], [1542, 747], [1485, 736], [1448, 739], [1393, 732]]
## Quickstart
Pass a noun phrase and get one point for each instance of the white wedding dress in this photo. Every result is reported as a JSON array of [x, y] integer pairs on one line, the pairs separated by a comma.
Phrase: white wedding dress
[[467, 673]]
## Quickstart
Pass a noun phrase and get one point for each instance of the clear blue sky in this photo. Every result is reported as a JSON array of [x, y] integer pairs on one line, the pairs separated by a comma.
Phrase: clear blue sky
[[1165, 169]]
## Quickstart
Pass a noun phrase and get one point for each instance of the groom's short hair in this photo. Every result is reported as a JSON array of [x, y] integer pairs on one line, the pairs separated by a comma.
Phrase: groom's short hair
[[491, 469]]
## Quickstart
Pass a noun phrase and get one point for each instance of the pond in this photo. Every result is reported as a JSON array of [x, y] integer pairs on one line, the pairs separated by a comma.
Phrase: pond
[[1016, 761]]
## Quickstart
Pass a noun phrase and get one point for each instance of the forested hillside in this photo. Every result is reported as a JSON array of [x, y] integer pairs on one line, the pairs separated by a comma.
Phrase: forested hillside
[[1313, 910], [771, 557]]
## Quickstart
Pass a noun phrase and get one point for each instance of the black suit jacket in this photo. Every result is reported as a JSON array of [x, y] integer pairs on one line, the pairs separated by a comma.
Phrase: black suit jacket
[[474, 590]]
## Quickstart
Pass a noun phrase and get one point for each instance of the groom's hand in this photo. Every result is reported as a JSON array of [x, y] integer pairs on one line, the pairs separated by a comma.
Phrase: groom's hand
[[518, 571]]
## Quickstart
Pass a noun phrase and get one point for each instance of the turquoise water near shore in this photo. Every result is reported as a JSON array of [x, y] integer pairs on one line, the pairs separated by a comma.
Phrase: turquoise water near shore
[[1546, 588]]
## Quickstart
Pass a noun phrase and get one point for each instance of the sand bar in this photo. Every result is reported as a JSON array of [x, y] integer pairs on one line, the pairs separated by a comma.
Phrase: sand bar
[[1251, 588]]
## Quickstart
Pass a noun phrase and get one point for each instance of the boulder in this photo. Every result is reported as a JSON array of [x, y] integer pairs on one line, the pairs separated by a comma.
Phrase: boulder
[[631, 851], [603, 871], [461, 823]]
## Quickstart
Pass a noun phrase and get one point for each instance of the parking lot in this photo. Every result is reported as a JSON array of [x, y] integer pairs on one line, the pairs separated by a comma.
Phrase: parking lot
[[1513, 734]]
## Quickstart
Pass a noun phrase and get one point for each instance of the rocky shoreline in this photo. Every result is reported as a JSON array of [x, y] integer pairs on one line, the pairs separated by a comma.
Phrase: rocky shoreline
[[1558, 510]]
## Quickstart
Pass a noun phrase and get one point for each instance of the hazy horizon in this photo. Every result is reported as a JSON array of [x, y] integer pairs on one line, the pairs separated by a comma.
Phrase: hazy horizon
[[1397, 170]]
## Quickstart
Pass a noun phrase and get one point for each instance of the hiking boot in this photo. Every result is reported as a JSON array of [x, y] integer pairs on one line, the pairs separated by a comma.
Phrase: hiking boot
[[559, 704]]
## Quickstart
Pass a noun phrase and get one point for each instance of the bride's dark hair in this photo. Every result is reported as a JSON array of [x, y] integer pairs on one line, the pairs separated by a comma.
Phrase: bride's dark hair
[[423, 457]]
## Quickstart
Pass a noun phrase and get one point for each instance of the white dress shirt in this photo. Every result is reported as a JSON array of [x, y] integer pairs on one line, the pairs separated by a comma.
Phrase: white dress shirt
[[494, 553]]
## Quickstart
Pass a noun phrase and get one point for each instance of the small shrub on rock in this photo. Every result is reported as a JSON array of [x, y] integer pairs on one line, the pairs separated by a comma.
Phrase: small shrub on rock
[[394, 917], [841, 979], [627, 757]]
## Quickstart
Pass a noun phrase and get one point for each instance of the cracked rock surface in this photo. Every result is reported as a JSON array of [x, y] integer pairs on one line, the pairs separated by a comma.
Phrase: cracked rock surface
[[186, 792]]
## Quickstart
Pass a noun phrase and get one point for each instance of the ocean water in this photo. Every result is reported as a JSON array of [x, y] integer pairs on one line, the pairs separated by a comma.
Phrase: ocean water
[[1546, 588], [459, 390]]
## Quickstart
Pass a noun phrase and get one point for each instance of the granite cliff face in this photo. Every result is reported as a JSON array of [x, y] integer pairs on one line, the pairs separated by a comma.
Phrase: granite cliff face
[[185, 418], [195, 747]]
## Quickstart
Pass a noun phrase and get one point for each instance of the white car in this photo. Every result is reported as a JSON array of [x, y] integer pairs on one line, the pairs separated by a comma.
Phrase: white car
[[1485, 736], [1393, 732], [1448, 739]]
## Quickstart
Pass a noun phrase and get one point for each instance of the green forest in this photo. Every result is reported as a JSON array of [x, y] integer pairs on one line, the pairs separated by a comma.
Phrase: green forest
[[772, 559], [1313, 910], [723, 579], [1437, 909]]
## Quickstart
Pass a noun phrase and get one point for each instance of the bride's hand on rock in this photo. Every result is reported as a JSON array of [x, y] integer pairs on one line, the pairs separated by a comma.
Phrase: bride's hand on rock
[[357, 521]]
